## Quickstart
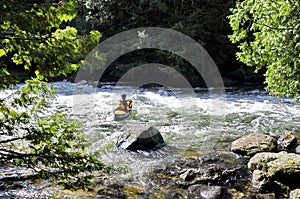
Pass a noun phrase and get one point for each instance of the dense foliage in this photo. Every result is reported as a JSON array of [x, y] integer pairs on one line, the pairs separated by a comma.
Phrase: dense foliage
[[35, 134], [268, 33], [35, 36], [204, 21]]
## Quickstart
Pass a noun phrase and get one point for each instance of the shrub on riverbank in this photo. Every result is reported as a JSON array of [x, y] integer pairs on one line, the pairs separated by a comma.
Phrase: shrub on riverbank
[[39, 136]]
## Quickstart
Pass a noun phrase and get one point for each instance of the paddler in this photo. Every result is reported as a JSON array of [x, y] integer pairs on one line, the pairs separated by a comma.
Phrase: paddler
[[125, 105]]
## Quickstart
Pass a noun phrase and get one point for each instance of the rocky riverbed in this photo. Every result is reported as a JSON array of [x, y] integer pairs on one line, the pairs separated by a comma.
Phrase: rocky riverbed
[[261, 167], [201, 156], [275, 162]]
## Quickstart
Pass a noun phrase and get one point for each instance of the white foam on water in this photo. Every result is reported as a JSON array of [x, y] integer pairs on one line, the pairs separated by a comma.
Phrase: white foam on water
[[185, 121]]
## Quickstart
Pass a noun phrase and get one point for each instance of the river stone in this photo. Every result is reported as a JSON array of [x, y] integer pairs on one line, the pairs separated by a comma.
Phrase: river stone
[[111, 191], [259, 179], [188, 175], [266, 196], [268, 167], [253, 143], [286, 141], [297, 150], [295, 194], [205, 191], [141, 138]]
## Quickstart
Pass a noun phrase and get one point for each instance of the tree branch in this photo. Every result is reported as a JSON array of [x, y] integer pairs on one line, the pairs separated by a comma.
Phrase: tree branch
[[13, 35], [11, 140], [11, 153], [274, 28], [14, 154]]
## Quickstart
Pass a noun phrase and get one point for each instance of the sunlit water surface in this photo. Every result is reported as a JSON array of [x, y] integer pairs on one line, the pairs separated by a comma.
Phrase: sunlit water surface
[[194, 123]]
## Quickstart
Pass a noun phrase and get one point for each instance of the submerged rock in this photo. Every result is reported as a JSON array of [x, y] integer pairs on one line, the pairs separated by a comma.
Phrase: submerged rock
[[141, 138], [286, 141], [295, 194], [253, 143], [266, 196], [205, 177], [205, 191], [268, 167], [219, 171], [112, 191]]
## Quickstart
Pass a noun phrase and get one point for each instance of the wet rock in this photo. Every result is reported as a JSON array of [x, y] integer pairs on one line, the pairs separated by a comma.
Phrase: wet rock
[[205, 191], [297, 150], [295, 194], [169, 193], [266, 196], [188, 175], [233, 193], [115, 191], [286, 141], [141, 138], [268, 167], [224, 169], [253, 143], [259, 179], [132, 191], [221, 169]]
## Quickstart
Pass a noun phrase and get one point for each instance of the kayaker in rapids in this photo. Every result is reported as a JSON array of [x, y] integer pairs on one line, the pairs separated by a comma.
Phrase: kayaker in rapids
[[124, 108]]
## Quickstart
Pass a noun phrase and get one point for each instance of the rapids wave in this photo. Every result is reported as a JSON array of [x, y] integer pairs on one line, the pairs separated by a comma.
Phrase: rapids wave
[[192, 123]]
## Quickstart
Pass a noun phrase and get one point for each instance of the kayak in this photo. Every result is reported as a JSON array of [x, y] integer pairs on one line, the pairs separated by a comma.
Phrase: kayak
[[121, 115]]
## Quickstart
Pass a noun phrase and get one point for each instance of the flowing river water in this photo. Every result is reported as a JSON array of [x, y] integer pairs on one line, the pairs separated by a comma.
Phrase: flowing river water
[[191, 125]]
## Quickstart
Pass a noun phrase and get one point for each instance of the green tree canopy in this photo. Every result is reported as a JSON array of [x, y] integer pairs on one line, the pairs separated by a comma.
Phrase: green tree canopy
[[204, 21], [35, 35], [268, 33]]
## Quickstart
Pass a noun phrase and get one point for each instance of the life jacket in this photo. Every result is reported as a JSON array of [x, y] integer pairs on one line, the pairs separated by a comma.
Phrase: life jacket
[[125, 105]]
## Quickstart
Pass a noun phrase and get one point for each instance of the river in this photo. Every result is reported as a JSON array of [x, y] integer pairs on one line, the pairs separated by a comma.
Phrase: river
[[191, 125]]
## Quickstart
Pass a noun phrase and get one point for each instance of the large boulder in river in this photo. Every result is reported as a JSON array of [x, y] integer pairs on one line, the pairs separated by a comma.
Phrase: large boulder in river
[[253, 143], [268, 167], [141, 138]]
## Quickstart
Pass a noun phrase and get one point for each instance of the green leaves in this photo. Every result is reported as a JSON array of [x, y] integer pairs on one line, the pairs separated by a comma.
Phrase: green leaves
[[37, 37], [5, 25], [204, 21], [2, 52], [268, 34], [34, 133]]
